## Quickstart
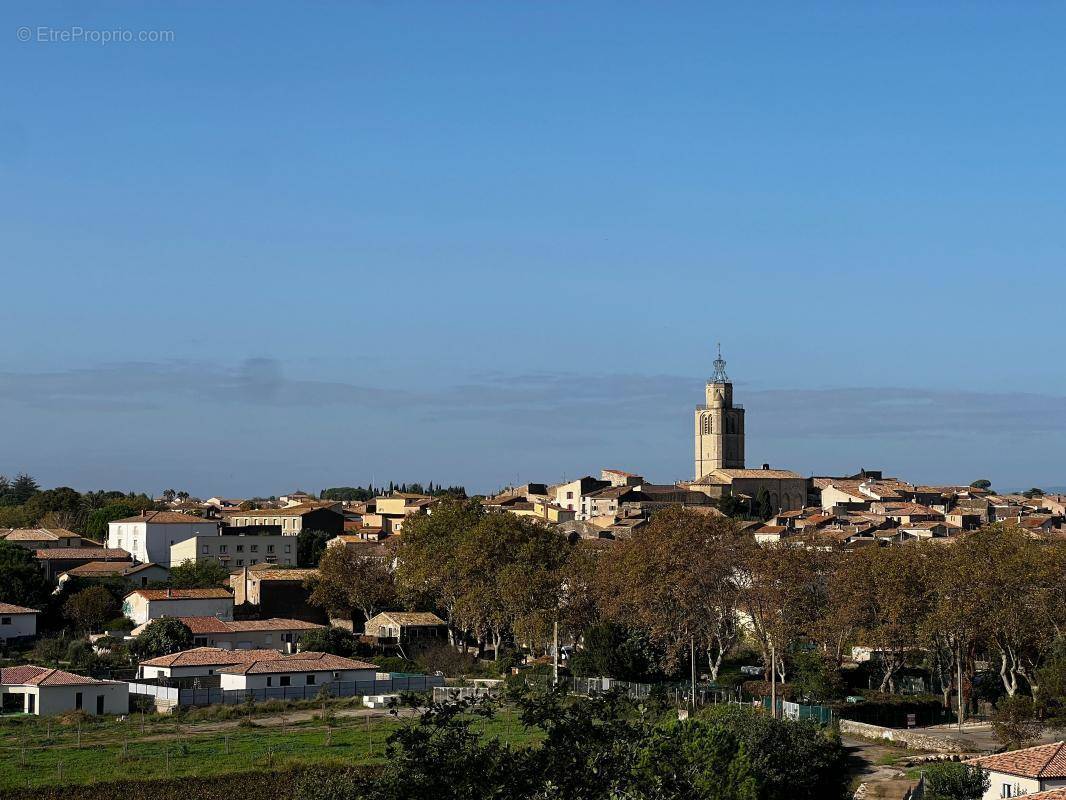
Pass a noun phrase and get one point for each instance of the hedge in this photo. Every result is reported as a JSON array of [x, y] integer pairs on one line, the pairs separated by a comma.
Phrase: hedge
[[279, 784]]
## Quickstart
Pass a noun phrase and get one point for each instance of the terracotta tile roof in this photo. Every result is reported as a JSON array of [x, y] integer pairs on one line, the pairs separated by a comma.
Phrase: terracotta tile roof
[[97, 568], [181, 594], [411, 618], [209, 657], [168, 518], [29, 675], [272, 624], [94, 553], [270, 572], [7, 608], [297, 662], [716, 476], [36, 534], [1051, 794], [1042, 761], [197, 625]]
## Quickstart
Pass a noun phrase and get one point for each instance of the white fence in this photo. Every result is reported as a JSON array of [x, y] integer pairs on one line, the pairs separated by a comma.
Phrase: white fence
[[208, 697]]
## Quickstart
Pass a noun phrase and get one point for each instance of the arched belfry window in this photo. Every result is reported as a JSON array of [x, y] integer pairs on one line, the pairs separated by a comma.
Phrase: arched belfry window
[[705, 424]]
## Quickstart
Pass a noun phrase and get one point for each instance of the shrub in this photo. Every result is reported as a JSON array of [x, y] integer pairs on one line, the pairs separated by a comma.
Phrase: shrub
[[950, 780]]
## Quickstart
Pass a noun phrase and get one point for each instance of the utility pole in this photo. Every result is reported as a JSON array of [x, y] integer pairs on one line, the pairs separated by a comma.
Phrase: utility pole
[[555, 650], [773, 680], [958, 644], [692, 652]]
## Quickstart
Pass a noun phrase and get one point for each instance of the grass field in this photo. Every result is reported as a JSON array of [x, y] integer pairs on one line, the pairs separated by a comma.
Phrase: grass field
[[120, 750]]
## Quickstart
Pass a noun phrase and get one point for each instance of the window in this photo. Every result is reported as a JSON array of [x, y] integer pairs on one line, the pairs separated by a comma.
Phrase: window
[[5, 620], [205, 549], [240, 562], [240, 548], [254, 548], [222, 548], [1006, 790], [569, 495], [270, 548], [288, 548], [285, 680], [77, 700], [200, 641], [255, 560], [270, 681], [310, 680]]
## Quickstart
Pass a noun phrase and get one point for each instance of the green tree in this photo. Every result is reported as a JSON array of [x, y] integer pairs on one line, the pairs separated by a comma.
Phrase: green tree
[[96, 524], [981, 483], [22, 580], [348, 582], [1014, 722], [90, 608], [950, 780], [23, 488], [310, 545], [613, 651], [338, 641], [198, 575], [62, 505], [764, 509], [162, 637]]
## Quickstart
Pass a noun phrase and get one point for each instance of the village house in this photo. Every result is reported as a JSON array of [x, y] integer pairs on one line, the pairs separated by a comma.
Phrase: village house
[[402, 627], [150, 535], [17, 623], [276, 591], [325, 517], [234, 547], [299, 669], [1024, 772], [144, 605], [42, 691], [391, 511], [569, 495], [44, 538], [57, 560], [197, 663], [137, 575], [282, 635]]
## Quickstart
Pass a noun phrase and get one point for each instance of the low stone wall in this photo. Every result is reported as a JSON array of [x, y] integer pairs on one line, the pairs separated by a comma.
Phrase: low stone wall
[[910, 739]]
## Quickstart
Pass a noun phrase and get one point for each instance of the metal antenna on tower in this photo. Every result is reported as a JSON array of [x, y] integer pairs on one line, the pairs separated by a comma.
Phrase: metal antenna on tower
[[719, 375]]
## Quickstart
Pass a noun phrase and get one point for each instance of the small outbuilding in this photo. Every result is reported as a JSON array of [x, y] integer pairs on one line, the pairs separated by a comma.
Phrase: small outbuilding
[[40, 690]]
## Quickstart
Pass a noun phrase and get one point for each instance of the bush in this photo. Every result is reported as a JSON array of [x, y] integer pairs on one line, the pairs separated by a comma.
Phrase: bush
[[120, 624], [951, 780], [1014, 723], [395, 664], [338, 641]]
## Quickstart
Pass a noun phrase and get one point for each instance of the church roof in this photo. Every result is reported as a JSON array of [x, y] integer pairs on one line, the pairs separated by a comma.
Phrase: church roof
[[727, 476]]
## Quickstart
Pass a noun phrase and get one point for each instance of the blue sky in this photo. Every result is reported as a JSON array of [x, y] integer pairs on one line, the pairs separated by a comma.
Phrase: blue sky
[[315, 245]]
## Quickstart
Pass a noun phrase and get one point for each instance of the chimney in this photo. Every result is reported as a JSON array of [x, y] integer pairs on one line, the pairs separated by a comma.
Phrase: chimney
[[144, 513], [168, 592], [766, 466]]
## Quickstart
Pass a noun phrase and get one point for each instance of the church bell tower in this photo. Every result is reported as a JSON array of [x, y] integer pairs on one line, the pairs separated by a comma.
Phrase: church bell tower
[[719, 425]]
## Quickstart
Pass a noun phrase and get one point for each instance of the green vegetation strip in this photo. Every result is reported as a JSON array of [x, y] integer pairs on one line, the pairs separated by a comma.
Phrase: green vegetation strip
[[119, 751]]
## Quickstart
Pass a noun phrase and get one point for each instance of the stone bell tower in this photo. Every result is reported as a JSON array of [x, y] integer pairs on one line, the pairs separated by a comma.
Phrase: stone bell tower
[[719, 425]]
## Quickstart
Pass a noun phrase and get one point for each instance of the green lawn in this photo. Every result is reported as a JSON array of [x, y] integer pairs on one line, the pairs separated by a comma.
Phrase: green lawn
[[119, 750]]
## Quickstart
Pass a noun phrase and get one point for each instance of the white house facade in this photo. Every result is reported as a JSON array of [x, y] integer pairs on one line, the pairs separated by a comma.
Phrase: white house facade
[[43, 691], [149, 537], [17, 622]]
